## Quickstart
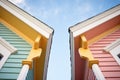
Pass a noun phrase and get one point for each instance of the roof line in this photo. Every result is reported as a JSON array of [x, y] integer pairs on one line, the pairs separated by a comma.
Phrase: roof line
[[71, 27], [32, 21], [29, 14]]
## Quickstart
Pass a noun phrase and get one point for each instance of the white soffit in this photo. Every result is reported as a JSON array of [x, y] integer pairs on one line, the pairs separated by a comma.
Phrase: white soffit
[[35, 24], [114, 50], [95, 21], [5, 50]]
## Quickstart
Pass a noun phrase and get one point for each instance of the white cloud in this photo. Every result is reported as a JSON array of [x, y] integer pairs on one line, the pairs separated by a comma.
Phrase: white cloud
[[88, 7], [56, 11], [84, 8], [45, 13]]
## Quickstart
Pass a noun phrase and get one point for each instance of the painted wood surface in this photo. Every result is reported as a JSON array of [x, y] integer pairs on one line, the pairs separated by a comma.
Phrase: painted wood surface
[[13, 65], [107, 64]]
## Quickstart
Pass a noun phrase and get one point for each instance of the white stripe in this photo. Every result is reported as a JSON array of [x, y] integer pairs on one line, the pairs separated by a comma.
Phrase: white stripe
[[23, 73], [97, 72]]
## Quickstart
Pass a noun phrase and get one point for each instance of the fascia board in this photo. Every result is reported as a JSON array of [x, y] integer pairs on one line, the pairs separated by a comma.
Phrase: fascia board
[[47, 56]]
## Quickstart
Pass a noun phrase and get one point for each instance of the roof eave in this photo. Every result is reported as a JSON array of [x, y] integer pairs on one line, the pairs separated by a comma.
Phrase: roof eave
[[82, 27], [34, 23]]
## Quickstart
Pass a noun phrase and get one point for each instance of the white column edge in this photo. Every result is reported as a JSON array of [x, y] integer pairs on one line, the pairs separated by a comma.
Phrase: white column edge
[[23, 73], [97, 72]]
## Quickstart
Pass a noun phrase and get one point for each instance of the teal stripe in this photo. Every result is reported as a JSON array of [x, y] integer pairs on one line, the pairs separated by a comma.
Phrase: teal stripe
[[23, 53], [18, 56], [24, 48], [10, 70], [8, 37], [12, 65], [8, 76], [30, 75], [14, 43], [20, 45], [7, 31], [14, 60]]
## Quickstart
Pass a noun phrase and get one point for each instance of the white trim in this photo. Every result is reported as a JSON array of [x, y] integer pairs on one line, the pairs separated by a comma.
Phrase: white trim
[[33, 23], [5, 49], [84, 26], [47, 57], [96, 23], [7, 46], [23, 73], [112, 45], [97, 72], [94, 19], [72, 55], [114, 50]]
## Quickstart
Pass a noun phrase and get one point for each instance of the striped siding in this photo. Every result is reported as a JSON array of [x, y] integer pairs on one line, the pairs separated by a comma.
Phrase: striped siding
[[13, 65], [107, 64]]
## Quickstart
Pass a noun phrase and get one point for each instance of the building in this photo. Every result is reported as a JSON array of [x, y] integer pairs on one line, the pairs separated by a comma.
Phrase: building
[[94, 45], [25, 44]]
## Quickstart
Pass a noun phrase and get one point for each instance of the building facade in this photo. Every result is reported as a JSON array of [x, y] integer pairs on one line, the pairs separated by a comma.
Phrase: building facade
[[25, 44], [94, 45]]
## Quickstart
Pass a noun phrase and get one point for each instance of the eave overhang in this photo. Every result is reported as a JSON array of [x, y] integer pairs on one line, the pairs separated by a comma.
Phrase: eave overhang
[[34, 23], [93, 22]]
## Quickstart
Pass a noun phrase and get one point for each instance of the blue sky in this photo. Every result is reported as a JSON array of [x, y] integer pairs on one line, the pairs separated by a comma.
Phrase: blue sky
[[60, 15]]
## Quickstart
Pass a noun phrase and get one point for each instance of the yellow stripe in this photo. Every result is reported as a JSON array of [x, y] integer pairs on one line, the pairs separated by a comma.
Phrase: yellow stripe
[[103, 34], [17, 32]]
